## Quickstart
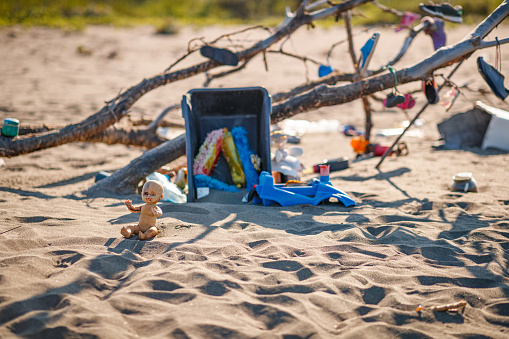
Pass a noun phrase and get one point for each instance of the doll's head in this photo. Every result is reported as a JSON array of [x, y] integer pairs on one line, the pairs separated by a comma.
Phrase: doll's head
[[152, 192]]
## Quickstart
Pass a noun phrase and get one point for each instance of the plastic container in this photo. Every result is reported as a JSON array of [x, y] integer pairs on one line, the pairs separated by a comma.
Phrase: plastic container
[[208, 109], [464, 182], [10, 128]]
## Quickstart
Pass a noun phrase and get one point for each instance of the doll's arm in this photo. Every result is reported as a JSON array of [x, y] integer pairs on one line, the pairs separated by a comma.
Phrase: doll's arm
[[130, 207], [157, 211]]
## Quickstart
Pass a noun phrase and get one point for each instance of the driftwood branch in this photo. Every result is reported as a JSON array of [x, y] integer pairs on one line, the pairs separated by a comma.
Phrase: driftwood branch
[[406, 44], [131, 137], [118, 108], [191, 50], [146, 137], [304, 98], [353, 56], [211, 77], [387, 9], [126, 180], [128, 135], [324, 95], [143, 137], [331, 79], [336, 77]]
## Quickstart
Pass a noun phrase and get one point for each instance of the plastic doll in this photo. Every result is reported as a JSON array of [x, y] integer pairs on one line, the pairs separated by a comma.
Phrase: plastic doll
[[284, 159], [151, 193]]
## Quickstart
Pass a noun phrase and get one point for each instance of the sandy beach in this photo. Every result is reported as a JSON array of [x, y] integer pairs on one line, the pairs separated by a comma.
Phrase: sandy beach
[[227, 269]]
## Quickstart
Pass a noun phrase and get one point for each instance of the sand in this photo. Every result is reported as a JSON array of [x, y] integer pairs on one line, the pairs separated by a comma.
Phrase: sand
[[224, 269]]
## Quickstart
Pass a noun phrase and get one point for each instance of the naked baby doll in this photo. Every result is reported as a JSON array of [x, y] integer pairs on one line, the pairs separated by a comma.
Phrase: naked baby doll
[[151, 193]]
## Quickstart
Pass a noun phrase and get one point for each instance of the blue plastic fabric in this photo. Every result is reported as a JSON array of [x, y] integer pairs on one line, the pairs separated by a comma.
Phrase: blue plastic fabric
[[324, 70], [201, 180], [367, 50], [313, 194], [239, 135]]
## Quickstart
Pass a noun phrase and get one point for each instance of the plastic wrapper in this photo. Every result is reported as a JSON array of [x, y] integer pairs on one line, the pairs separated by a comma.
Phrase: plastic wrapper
[[233, 159], [209, 152]]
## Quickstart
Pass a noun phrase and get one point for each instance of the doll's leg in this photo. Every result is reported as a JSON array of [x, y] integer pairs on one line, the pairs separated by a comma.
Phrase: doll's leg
[[150, 233], [129, 231]]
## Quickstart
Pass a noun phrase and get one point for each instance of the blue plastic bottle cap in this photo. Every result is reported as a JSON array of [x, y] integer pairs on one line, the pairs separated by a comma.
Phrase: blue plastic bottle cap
[[10, 127]]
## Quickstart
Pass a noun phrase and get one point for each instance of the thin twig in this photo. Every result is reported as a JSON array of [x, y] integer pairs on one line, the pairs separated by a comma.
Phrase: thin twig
[[300, 57], [202, 39], [211, 77], [387, 9], [239, 32], [364, 30], [11, 229], [154, 124], [265, 62]]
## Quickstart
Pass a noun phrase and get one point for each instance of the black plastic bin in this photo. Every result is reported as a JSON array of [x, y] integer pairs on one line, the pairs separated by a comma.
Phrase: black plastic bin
[[208, 109]]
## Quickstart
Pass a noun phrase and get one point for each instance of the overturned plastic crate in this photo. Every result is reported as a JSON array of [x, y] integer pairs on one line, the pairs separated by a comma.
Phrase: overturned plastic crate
[[208, 109]]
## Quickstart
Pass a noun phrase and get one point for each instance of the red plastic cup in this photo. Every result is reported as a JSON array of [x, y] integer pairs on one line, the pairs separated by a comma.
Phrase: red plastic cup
[[324, 172]]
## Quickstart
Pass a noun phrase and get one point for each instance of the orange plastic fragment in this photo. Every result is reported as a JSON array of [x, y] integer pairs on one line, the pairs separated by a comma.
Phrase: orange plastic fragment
[[359, 144]]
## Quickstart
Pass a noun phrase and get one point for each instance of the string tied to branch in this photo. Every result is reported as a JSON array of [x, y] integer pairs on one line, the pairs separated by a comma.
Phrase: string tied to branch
[[393, 72]]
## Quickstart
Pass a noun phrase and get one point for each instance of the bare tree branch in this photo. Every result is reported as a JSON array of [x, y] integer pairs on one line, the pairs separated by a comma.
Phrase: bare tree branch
[[154, 124], [131, 137], [113, 112], [328, 95], [296, 56], [126, 180], [211, 77], [387, 9], [331, 79]]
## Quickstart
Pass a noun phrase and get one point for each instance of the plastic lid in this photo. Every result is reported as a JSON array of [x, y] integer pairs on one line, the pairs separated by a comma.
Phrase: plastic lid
[[11, 121], [463, 176]]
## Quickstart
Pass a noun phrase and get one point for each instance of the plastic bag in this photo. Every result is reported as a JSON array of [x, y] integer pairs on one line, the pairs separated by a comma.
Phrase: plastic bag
[[171, 191]]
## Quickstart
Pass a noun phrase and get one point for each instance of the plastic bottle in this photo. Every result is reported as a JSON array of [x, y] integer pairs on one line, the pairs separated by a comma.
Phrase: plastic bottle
[[338, 164]]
